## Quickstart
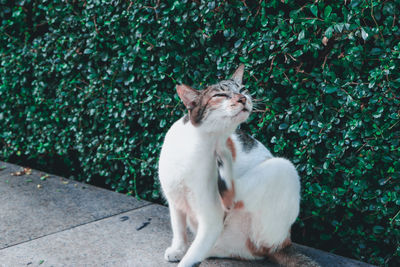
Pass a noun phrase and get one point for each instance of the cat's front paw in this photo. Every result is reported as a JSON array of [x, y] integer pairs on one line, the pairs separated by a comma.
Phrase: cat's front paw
[[174, 254]]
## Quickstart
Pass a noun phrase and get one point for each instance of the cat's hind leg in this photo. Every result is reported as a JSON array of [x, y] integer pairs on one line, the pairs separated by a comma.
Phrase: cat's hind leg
[[271, 194]]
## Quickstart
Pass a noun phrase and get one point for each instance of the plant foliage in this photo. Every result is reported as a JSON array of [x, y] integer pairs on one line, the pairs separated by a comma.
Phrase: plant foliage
[[87, 89]]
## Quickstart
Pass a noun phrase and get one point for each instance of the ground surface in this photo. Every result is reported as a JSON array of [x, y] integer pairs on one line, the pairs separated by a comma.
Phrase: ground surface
[[47, 220]]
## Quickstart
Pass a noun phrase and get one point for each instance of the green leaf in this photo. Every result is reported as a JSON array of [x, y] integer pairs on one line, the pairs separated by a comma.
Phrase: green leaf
[[314, 10], [364, 34], [283, 126], [88, 51], [327, 11], [237, 43], [328, 32], [339, 27], [329, 89], [301, 35]]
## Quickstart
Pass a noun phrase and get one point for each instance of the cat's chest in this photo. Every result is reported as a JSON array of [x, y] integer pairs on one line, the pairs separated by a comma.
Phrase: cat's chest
[[183, 142], [185, 157]]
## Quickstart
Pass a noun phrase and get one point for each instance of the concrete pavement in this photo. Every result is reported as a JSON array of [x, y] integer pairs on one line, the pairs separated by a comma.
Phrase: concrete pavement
[[47, 220]]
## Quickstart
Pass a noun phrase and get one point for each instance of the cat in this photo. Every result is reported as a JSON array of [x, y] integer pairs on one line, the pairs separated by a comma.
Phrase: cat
[[238, 200]]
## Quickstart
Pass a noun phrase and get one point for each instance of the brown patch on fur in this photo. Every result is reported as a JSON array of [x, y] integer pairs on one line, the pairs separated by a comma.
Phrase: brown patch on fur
[[257, 251], [198, 112], [275, 255], [238, 205], [231, 147], [228, 196]]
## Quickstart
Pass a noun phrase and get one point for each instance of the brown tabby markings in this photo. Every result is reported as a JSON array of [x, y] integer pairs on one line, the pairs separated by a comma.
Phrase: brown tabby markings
[[198, 112], [215, 101], [231, 147], [205, 99]]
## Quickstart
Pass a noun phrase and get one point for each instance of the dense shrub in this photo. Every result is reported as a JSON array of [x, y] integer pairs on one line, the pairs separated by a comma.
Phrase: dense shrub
[[87, 90]]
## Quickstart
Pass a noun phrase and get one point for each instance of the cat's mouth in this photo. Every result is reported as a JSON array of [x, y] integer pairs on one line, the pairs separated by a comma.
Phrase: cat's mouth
[[243, 110]]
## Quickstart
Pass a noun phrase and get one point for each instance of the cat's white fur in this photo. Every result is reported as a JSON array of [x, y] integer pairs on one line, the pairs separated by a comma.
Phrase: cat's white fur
[[267, 187]]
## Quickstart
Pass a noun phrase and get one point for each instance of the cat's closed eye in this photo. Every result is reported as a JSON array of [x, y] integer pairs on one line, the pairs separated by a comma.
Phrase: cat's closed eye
[[221, 95]]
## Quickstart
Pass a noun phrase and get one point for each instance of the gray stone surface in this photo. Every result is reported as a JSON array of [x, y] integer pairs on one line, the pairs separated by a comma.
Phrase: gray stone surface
[[135, 238], [28, 212], [329, 259], [114, 241], [62, 224]]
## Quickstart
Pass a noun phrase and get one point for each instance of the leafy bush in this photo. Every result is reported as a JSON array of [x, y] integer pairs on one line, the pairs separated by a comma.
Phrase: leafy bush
[[87, 90]]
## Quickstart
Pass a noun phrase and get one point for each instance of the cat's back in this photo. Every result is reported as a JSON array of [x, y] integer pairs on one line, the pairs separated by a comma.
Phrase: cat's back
[[249, 152]]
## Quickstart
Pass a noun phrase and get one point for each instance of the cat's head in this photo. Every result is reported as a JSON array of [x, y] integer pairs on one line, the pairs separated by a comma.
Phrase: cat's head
[[220, 107]]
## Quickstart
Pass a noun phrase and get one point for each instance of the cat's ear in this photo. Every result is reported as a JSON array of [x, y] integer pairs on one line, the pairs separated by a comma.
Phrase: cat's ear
[[188, 95], [238, 75]]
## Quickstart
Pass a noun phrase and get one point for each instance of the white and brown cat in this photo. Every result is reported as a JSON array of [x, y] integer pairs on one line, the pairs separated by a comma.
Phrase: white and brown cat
[[237, 198]]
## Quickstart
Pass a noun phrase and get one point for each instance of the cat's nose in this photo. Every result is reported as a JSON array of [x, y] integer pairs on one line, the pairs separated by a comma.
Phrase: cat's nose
[[242, 99]]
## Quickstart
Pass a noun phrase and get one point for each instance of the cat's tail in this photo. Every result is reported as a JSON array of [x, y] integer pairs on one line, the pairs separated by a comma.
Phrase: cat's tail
[[291, 257]]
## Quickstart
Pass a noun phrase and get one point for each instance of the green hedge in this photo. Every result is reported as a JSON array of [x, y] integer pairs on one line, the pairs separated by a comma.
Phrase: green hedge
[[87, 90]]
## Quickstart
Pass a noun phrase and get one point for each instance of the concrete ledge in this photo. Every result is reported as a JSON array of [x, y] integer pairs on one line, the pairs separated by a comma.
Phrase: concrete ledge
[[66, 223], [29, 211]]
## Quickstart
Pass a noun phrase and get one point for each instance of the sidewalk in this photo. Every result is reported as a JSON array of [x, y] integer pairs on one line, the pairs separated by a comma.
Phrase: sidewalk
[[53, 221]]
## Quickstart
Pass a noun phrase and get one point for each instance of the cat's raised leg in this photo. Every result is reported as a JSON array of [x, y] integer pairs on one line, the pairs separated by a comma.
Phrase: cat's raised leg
[[271, 194], [179, 240], [210, 225], [226, 186]]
